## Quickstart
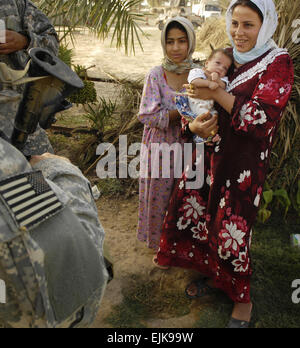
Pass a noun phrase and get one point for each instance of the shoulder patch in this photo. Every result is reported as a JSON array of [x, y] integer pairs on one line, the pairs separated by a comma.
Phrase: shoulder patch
[[29, 199]]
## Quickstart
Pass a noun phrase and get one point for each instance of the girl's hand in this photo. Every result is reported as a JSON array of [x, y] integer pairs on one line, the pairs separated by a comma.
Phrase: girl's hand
[[205, 125]]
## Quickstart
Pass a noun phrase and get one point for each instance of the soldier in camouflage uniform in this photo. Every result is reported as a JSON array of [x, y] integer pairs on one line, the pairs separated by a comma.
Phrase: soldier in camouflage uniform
[[26, 27], [62, 282], [53, 269]]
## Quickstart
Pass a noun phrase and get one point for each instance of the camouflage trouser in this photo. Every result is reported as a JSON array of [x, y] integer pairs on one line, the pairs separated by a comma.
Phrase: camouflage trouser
[[38, 142]]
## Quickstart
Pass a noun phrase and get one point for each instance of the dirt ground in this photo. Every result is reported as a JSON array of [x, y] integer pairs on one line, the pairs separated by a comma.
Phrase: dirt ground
[[119, 216], [131, 258]]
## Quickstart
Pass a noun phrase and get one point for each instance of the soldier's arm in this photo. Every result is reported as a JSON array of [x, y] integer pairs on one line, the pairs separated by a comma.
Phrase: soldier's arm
[[38, 29], [72, 189], [66, 180]]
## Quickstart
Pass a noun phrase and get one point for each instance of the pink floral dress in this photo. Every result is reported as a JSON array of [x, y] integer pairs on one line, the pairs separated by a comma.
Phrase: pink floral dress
[[155, 191], [210, 229]]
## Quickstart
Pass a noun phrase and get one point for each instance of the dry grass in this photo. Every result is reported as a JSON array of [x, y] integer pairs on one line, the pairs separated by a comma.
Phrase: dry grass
[[144, 300], [212, 33], [125, 120]]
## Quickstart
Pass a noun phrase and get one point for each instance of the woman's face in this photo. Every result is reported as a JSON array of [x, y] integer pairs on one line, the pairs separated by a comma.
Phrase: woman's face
[[177, 45], [245, 27]]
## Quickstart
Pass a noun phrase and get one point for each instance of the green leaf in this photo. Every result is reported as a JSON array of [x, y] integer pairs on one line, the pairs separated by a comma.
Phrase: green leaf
[[298, 194], [283, 199], [268, 196], [263, 215]]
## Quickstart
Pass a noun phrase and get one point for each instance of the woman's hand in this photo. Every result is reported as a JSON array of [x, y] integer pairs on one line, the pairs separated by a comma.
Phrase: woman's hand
[[219, 95], [200, 92], [205, 125]]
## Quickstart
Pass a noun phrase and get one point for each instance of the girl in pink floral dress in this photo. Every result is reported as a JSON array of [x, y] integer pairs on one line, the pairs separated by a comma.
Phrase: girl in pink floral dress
[[162, 125], [210, 229]]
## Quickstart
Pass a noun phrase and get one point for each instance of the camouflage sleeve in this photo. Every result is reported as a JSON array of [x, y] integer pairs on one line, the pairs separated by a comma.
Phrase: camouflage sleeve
[[38, 28], [66, 180], [74, 189], [12, 161]]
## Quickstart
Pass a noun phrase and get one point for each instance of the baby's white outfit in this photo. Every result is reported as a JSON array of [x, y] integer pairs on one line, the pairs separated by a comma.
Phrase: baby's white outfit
[[199, 106]]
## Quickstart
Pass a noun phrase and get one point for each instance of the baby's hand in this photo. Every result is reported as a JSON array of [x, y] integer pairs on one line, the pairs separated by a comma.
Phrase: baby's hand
[[213, 85], [214, 76]]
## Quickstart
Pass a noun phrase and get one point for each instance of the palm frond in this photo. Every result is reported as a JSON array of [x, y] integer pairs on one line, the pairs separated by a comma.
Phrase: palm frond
[[288, 12], [101, 16], [286, 146]]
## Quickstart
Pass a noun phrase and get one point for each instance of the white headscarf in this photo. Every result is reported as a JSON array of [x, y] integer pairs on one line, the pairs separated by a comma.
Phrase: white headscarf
[[187, 64], [264, 40]]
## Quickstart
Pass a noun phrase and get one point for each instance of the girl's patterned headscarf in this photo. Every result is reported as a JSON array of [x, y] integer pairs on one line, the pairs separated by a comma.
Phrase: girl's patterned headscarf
[[264, 40], [187, 64]]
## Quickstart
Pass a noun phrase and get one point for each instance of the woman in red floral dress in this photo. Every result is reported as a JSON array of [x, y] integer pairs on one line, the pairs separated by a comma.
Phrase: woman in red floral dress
[[210, 229]]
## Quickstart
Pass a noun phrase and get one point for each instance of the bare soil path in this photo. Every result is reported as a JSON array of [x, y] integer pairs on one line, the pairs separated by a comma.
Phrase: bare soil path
[[132, 260]]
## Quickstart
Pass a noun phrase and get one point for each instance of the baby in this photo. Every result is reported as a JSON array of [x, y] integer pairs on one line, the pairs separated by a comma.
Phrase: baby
[[212, 76]]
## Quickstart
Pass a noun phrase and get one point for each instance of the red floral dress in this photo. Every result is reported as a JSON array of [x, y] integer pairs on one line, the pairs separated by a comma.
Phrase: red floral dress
[[209, 229]]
